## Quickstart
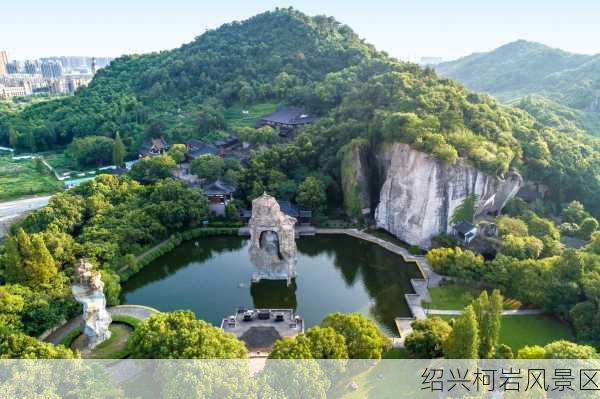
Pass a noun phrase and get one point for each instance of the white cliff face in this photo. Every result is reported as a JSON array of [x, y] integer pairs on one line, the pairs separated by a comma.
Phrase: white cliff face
[[420, 193], [272, 240], [89, 291]]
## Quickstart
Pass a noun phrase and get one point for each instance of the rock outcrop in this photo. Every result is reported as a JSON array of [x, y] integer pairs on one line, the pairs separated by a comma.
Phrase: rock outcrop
[[89, 291], [272, 240], [420, 193], [355, 179]]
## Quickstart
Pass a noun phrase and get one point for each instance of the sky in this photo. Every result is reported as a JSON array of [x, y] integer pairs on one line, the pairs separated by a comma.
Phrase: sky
[[405, 29]]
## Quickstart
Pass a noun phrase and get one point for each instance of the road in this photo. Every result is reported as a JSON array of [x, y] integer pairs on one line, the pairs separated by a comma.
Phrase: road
[[11, 210]]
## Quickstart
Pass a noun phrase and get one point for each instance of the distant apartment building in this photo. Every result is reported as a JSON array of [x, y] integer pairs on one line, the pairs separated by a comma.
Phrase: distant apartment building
[[51, 69], [14, 67], [3, 62], [8, 92], [73, 82], [31, 67]]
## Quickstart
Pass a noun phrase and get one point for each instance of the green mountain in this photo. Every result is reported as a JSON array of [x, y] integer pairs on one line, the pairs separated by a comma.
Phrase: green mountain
[[516, 70], [360, 94]]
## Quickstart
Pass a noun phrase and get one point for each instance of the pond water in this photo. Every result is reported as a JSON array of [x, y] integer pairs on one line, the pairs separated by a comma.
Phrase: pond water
[[335, 273]]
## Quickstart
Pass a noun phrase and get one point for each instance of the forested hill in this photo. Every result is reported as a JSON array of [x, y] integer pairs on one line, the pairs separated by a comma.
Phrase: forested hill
[[171, 92], [569, 82], [284, 56]]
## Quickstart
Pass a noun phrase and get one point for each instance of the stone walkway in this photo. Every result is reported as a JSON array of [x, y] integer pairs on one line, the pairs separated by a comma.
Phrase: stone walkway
[[137, 311], [512, 312], [420, 286]]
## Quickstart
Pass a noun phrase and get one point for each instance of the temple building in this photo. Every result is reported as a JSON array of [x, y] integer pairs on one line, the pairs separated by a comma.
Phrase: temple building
[[153, 148], [286, 119], [219, 194]]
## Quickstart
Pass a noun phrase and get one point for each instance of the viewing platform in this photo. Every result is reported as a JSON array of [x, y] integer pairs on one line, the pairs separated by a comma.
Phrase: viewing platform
[[260, 328]]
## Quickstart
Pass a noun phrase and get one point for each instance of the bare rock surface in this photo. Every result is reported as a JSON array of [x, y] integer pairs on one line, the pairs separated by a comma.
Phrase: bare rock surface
[[89, 292], [272, 240], [420, 193]]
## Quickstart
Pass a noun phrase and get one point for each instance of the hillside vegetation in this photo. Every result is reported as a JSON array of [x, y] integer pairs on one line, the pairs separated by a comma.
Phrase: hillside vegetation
[[284, 56], [570, 82]]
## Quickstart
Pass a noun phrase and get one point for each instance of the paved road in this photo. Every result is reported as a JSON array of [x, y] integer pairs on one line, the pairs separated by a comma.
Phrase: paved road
[[11, 210]]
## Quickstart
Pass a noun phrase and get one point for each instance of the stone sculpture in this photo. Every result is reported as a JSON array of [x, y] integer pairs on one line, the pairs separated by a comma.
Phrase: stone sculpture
[[88, 290], [272, 241]]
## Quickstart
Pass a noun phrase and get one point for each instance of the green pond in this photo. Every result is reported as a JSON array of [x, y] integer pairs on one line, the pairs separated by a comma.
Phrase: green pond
[[335, 273]]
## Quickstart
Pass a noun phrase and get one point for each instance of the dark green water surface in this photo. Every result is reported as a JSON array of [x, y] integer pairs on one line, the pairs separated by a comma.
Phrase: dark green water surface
[[335, 273]]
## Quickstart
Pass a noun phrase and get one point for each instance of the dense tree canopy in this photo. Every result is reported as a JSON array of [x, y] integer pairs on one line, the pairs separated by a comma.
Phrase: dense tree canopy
[[179, 335], [363, 338], [316, 62]]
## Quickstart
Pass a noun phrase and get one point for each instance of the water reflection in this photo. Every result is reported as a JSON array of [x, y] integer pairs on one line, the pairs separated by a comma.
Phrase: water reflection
[[334, 274]]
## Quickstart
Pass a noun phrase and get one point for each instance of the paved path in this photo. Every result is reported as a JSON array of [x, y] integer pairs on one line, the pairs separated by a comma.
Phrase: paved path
[[516, 312], [12, 210], [137, 311]]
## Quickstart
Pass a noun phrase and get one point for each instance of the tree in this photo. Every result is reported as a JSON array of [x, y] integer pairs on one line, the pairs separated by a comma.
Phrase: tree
[[14, 345], [531, 352], [528, 247], [363, 339], [456, 262], [569, 350], [112, 288], [177, 152], [326, 343], [574, 213], [179, 335], [291, 348], [152, 169], [264, 135], [504, 352], [208, 166], [463, 342], [427, 338], [311, 195], [508, 225], [118, 151], [488, 312], [92, 150], [466, 210], [587, 228], [28, 261]]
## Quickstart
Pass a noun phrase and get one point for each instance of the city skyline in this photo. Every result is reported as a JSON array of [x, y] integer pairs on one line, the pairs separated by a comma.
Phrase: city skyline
[[405, 30]]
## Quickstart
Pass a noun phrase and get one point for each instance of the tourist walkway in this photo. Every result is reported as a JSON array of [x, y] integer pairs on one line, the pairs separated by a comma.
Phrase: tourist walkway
[[420, 285], [137, 311], [513, 312]]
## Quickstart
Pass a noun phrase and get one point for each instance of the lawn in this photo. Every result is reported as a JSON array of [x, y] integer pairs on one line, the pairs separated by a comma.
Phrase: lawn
[[236, 118], [456, 297], [20, 178], [60, 162], [518, 331], [451, 297], [113, 348]]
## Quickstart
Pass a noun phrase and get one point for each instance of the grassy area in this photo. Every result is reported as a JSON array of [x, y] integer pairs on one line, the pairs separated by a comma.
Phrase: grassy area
[[21, 178], [60, 162], [113, 348], [518, 331], [236, 118], [456, 297], [451, 297]]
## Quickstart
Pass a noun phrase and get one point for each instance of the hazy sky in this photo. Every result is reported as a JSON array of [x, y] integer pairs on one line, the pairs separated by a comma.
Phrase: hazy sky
[[405, 29]]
